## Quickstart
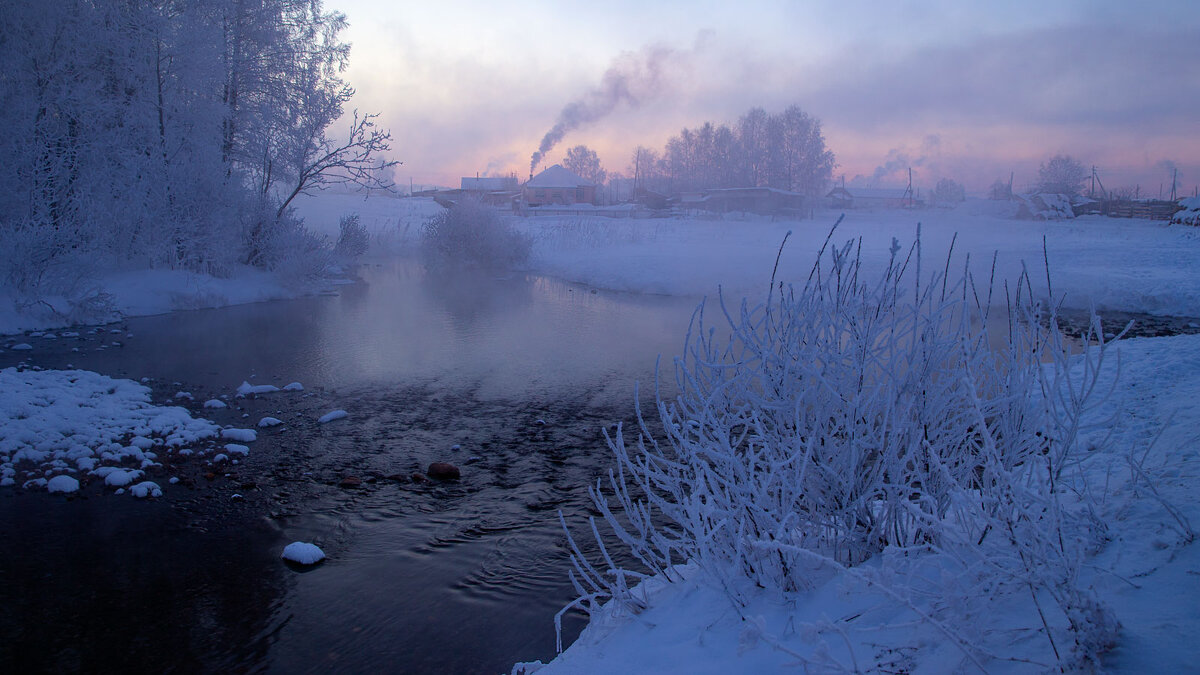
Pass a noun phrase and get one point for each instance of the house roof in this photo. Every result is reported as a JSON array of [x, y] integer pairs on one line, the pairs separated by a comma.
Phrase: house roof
[[878, 193], [751, 190], [489, 183], [558, 176]]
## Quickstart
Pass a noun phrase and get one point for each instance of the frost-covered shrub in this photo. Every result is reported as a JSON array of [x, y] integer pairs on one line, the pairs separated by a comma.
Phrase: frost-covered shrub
[[855, 414], [353, 239], [282, 244], [471, 234], [48, 277]]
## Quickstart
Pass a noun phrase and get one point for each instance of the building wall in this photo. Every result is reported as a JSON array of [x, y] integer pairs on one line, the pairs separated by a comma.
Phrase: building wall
[[584, 194]]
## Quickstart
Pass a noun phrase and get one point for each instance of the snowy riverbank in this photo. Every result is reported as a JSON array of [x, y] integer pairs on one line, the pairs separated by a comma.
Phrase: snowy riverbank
[[392, 224], [1116, 264], [1147, 573]]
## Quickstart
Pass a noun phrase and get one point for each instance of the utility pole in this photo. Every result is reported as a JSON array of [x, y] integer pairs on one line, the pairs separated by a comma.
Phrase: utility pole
[[1174, 180]]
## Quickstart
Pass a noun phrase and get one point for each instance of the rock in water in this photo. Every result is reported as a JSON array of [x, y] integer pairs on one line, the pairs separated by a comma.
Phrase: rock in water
[[443, 471], [303, 553]]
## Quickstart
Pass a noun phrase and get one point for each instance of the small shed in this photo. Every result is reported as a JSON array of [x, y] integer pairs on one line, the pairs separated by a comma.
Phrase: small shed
[[839, 198]]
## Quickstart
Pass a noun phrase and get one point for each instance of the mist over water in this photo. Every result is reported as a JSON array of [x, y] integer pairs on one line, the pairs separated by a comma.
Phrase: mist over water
[[511, 379]]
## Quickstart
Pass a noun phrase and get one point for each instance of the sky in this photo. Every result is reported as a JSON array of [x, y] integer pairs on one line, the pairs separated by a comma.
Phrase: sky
[[963, 90]]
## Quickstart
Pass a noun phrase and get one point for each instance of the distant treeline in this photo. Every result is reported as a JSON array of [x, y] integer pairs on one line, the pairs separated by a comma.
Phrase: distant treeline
[[784, 151]]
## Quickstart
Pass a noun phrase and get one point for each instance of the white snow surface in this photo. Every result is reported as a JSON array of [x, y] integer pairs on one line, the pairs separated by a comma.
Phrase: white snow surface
[[146, 489], [62, 483], [215, 403], [70, 421], [145, 292], [247, 389], [1147, 572], [1190, 215], [303, 553], [331, 416], [1116, 263], [243, 435], [270, 422]]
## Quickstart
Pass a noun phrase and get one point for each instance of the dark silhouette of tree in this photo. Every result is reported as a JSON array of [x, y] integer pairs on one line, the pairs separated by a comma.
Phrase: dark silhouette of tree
[[586, 163]]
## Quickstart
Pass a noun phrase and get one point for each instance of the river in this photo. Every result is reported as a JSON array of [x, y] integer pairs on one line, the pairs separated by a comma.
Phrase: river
[[510, 379]]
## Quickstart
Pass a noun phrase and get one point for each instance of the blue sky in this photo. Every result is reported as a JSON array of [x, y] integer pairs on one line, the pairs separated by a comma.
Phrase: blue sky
[[964, 90]]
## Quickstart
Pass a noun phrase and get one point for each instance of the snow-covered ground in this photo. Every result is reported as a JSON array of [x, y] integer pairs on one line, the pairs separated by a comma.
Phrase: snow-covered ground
[[60, 429], [1119, 264], [76, 423], [1147, 573]]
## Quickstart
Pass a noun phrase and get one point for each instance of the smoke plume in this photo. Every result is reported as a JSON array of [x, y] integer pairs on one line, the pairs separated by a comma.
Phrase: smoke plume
[[633, 79], [899, 160]]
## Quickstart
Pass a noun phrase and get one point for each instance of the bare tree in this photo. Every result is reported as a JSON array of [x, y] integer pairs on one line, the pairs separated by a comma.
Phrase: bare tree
[[356, 160], [1000, 190], [949, 190], [586, 163]]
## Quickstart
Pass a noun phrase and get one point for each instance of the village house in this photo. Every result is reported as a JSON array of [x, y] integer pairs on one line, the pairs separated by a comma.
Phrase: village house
[[760, 200], [868, 198], [492, 190], [558, 185], [490, 184]]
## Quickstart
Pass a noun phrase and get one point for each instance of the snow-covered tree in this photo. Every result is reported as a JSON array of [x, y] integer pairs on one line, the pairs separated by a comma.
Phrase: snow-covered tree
[[785, 151], [169, 133], [1063, 175], [949, 190]]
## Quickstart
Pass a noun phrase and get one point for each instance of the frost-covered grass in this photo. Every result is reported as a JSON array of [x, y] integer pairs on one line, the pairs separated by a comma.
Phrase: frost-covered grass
[[857, 480], [1137, 480]]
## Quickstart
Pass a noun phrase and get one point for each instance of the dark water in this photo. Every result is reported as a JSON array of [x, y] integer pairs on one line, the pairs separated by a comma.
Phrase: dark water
[[459, 577]]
